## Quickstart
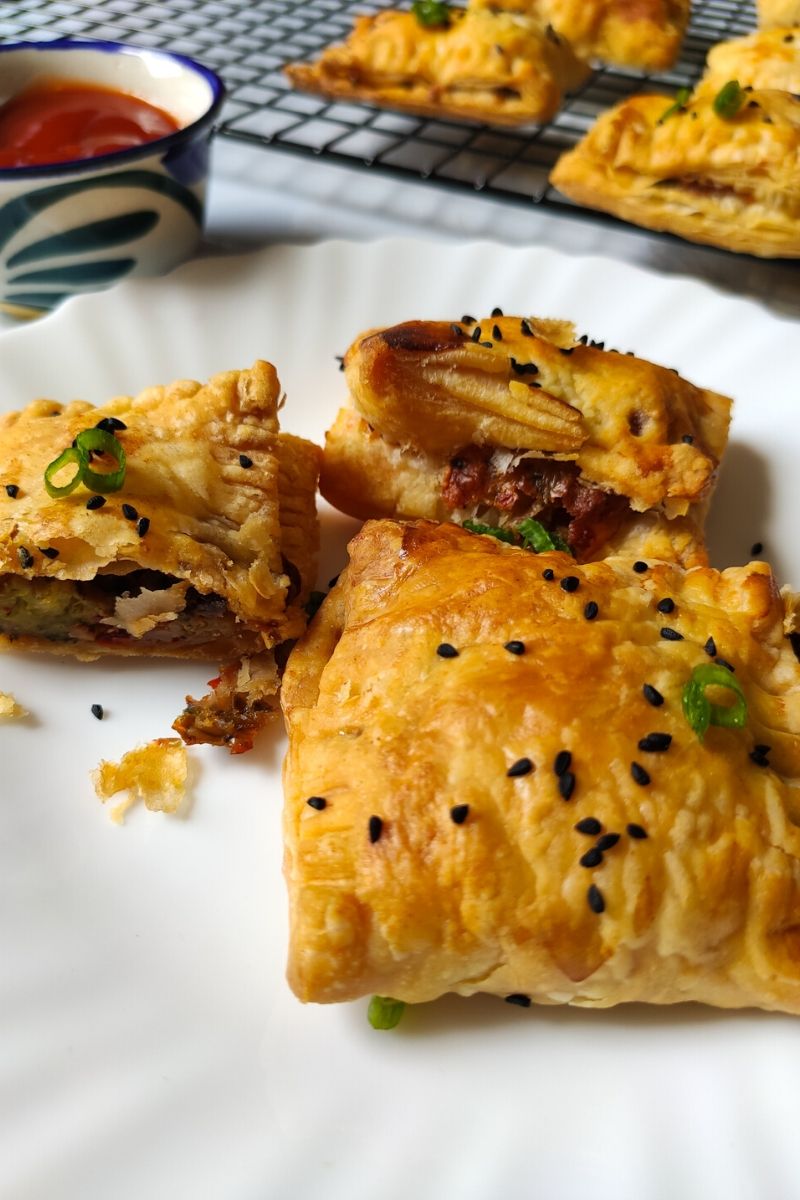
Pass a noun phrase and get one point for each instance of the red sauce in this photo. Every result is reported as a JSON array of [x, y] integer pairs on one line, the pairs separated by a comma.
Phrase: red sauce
[[60, 120]]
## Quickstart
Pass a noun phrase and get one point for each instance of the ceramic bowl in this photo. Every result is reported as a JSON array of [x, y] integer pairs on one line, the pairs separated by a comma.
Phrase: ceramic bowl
[[82, 225]]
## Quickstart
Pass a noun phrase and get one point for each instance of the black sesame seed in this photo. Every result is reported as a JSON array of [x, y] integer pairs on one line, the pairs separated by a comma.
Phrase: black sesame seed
[[711, 648], [97, 711], [457, 330], [595, 899], [636, 831], [670, 635], [497, 333], [375, 828], [142, 526], [525, 328], [583, 339], [111, 424], [467, 319], [640, 567], [652, 695], [459, 814], [476, 334], [49, 551], [340, 360], [95, 502], [756, 548], [760, 760], [591, 610], [589, 825], [723, 662], [655, 743], [497, 312], [566, 785], [563, 762], [518, 999], [523, 766], [688, 439], [12, 490], [549, 574], [317, 802], [789, 37], [245, 461], [486, 345], [129, 512], [566, 350], [446, 651], [639, 774], [667, 605], [592, 858], [523, 368], [762, 749], [570, 583], [515, 647], [25, 557], [607, 841]]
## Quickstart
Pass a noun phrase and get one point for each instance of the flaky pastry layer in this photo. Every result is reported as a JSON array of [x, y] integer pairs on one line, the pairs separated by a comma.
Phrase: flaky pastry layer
[[778, 13], [769, 59]]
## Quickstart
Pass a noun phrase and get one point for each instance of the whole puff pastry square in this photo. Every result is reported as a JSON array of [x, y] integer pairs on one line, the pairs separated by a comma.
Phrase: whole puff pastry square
[[508, 418], [728, 181], [503, 68], [646, 34], [491, 785], [208, 549]]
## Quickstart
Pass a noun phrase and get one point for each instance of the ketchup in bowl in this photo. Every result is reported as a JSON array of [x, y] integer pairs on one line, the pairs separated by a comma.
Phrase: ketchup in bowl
[[63, 120]]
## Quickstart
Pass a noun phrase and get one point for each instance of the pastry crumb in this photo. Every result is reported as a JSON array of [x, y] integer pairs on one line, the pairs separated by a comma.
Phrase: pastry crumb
[[155, 773], [9, 709]]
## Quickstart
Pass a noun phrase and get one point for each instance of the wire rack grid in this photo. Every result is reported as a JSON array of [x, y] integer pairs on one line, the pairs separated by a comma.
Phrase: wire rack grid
[[250, 43]]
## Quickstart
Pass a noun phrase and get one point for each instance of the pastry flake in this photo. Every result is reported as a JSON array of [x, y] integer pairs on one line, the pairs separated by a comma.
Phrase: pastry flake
[[464, 818], [647, 34], [155, 773], [729, 181], [503, 68], [510, 418]]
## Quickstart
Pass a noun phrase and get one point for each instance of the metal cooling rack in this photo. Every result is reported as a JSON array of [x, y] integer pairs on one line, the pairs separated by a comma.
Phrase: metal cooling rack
[[249, 43]]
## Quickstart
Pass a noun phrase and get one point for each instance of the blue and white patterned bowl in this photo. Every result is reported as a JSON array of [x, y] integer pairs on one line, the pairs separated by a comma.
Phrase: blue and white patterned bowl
[[82, 225]]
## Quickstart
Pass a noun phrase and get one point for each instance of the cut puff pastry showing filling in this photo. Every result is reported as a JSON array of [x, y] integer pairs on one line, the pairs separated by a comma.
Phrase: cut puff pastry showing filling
[[208, 549], [510, 418], [488, 792], [499, 67], [731, 182], [769, 59], [646, 34], [776, 13]]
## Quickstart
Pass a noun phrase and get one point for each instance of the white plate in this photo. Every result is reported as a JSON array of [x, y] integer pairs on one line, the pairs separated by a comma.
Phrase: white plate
[[149, 1046]]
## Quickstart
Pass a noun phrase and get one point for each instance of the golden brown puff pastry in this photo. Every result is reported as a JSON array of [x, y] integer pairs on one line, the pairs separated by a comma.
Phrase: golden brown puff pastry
[[646, 34], [463, 813], [770, 59], [208, 549], [777, 13], [498, 67], [509, 418], [733, 183]]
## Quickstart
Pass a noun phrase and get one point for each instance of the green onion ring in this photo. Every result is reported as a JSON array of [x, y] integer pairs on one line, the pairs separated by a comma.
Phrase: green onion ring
[[698, 709], [72, 454], [384, 1012], [101, 440]]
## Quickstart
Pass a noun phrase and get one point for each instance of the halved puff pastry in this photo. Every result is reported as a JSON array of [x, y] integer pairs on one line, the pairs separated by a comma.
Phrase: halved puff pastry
[[770, 59], [647, 34], [730, 182], [488, 790], [498, 67], [776, 13], [453, 422]]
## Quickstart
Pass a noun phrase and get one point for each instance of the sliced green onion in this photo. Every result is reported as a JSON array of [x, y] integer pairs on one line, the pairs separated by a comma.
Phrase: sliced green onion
[[698, 709], [103, 441], [432, 13], [384, 1012], [502, 535], [71, 455], [535, 537], [681, 97], [729, 99]]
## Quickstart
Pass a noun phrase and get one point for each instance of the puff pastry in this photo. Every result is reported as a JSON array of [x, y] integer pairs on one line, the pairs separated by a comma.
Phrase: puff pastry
[[775, 13], [509, 418], [499, 67], [208, 550], [770, 59], [733, 183], [647, 34], [463, 813]]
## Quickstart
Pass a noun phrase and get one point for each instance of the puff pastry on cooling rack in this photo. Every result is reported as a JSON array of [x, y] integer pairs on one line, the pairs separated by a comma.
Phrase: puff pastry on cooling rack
[[502, 68], [731, 181], [769, 59], [492, 785], [207, 549], [775, 13], [507, 418], [647, 34]]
